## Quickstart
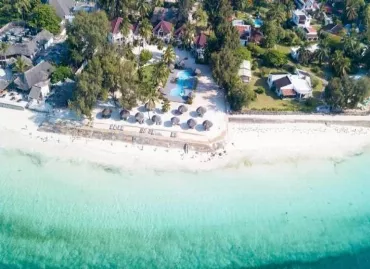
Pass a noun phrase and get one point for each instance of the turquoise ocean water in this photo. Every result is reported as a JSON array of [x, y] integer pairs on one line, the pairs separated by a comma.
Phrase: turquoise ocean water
[[63, 214]]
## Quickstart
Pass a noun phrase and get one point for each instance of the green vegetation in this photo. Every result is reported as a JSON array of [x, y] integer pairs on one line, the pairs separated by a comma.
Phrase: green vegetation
[[61, 73], [44, 17], [145, 56]]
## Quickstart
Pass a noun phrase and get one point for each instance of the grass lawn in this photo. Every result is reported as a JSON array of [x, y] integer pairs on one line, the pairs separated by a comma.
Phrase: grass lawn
[[269, 101], [283, 49]]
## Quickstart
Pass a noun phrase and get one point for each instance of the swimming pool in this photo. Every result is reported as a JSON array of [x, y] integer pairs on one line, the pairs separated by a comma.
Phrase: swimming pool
[[184, 83], [257, 23]]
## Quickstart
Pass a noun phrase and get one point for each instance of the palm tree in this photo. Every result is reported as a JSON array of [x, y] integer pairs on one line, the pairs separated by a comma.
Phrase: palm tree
[[169, 55], [152, 97], [188, 35], [20, 65], [304, 54], [3, 48], [143, 7], [200, 17], [160, 74], [146, 29], [22, 6], [321, 54], [340, 64], [351, 10]]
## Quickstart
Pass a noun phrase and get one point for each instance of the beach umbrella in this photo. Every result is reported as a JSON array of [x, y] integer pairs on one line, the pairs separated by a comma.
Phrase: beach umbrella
[[197, 72], [191, 95], [124, 114], [106, 113], [207, 125], [191, 123], [182, 109], [201, 111], [139, 117], [157, 120], [175, 121]]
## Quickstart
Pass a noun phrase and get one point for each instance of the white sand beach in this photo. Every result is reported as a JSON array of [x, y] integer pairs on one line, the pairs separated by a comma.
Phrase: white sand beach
[[247, 144]]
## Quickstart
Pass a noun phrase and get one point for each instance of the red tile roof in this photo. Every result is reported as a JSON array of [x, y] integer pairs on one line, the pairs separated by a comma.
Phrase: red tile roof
[[115, 25], [288, 92], [165, 26], [180, 31], [201, 40]]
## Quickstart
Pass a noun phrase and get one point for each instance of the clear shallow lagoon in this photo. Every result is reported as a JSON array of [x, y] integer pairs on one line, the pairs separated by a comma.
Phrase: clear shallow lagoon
[[58, 214]]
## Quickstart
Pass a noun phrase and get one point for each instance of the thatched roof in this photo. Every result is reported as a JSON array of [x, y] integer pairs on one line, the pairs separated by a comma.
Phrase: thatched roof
[[139, 117], [182, 109], [175, 121], [191, 123], [157, 119], [106, 113], [201, 111], [124, 114], [207, 125]]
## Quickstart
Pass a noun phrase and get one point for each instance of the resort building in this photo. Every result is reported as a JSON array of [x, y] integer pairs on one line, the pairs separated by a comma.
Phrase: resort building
[[26, 46], [290, 86], [179, 33], [256, 36], [33, 76], [301, 19], [66, 9], [115, 35], [163, 31], [309, 5], [243, 30], [310, 33], [200, 44], [245, 72], [333, 28], [39, 91]]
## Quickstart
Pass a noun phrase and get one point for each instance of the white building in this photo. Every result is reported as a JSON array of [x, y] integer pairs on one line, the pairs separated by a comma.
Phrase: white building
[[301, 19], [290, 86], [310, 5], [294, 51], [245, 72], [116, 36]]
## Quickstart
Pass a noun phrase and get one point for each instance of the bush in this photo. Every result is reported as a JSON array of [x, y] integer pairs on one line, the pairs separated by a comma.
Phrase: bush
[[61, 73], [243, 53], [259, 90], [275, 58], [315, 82], [255, 49], [315, 69], [309, 102], [190, 100], [264, 72], [160, 45], [166, 105], [145, 57]]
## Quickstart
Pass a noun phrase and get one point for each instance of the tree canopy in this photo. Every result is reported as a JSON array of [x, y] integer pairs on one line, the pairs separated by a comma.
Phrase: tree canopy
[[45, 17]]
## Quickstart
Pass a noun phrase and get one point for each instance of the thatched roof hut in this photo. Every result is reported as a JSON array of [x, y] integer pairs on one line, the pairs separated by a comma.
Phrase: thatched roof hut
[[201, 111], [139, 117], [124, 114], [207, 125], [157, 119], [197, 72], [106, 113], [182, 109], [150, 106], [191, 123], [175, 121]]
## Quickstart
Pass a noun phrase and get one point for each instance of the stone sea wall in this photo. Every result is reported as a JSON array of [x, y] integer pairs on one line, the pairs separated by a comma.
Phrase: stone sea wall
[[131, 137]]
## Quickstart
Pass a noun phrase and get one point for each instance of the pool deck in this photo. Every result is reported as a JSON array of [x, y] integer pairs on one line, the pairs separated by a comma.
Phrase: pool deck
[[169, 86]]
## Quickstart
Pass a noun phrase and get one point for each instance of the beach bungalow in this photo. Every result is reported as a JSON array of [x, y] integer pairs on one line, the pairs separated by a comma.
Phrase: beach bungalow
[[39, 91], [179, 33], [199, 45], [163, 31], [301, 19], [115, 36], [244, 31], [290, 86], [256, 36], [245, 72], [333, 28], [33, 76]]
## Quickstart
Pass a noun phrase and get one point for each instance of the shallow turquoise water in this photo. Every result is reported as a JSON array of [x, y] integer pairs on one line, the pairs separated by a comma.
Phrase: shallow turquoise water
[[184, 82], [59, 214]]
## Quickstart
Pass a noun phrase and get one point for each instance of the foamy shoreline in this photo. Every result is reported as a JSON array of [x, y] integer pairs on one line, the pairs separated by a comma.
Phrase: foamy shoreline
[[246, 144]]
